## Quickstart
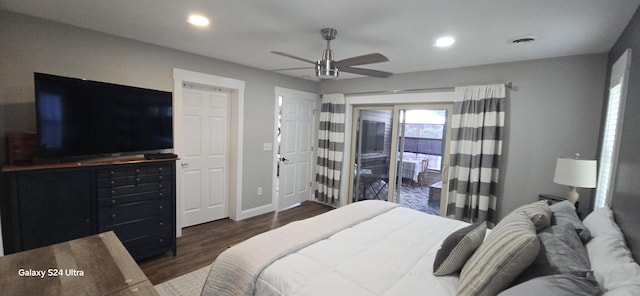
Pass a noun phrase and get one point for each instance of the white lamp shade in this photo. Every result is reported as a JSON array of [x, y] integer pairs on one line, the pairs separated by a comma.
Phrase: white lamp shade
[[576, 172]]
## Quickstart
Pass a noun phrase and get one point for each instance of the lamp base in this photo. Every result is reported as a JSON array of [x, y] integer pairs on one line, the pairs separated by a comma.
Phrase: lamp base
[[573, 195]]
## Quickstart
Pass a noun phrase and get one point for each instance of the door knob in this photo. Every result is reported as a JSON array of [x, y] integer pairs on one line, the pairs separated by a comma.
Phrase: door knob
[[283, 159], [184, 165]]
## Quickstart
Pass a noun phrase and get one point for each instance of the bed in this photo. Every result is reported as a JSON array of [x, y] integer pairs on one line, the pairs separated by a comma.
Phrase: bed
[[381, 248]]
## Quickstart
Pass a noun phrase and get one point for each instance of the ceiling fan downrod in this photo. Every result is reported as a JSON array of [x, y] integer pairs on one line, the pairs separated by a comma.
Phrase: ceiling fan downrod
[[325, 68]]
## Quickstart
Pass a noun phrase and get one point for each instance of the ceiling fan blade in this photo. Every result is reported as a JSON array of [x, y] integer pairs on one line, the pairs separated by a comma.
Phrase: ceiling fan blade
[[297, 68], [371, 58], [366, 72], [293, 57]]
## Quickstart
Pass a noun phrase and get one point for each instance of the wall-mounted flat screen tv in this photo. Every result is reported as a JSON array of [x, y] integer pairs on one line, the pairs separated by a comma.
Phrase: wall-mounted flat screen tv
[[78, 117]]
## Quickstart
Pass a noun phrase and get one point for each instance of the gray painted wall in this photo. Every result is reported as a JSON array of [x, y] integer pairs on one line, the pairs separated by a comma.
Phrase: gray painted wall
[[553, 110], [34, 45]]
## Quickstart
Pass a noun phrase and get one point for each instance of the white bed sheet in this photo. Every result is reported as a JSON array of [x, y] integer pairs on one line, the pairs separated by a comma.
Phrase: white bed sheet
[[391, 254]]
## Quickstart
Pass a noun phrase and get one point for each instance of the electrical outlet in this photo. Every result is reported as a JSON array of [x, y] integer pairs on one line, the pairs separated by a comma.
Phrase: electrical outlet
[[259, 191]]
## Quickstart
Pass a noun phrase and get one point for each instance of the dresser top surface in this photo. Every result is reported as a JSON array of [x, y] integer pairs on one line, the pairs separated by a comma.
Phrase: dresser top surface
[[83, 163]]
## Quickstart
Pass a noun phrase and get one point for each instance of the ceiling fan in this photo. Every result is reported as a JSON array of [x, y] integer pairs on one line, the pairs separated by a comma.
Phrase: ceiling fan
[[327, 68]]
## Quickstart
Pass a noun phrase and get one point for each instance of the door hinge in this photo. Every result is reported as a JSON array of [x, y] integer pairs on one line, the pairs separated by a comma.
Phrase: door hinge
[[314, 111], [310, 184]]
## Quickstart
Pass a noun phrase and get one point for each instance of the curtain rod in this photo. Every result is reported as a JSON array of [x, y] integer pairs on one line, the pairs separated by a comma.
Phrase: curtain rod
[[414, 90]]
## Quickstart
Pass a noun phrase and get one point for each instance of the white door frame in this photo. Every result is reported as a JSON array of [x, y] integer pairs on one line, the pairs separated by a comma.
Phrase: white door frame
[[292, 92], [236, 103]]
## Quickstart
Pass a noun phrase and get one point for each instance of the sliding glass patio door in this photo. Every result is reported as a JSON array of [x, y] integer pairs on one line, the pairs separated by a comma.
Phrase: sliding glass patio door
[[372, 153], [401, 155]]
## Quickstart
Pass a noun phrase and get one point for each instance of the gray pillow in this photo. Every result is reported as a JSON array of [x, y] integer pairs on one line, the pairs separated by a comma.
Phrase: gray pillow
[[457, 248], [508, 250], [561, 252], [565, 212], [557, 285]]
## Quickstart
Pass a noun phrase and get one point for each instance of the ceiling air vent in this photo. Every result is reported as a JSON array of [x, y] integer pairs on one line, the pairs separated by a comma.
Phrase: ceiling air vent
[[520, 40]]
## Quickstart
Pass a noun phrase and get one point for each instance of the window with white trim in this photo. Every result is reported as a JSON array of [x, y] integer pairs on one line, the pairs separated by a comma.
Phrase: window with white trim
[[613, 124]]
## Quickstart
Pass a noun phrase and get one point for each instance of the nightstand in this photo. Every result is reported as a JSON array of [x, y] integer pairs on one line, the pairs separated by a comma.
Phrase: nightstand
[[551, 199]]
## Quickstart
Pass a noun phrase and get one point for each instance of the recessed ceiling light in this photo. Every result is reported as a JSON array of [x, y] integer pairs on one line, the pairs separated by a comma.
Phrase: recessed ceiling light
[[198, 20], [444, 41]]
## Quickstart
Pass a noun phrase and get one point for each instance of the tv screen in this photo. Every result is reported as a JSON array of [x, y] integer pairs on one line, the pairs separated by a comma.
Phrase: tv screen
[[77, 117], [372, 136]]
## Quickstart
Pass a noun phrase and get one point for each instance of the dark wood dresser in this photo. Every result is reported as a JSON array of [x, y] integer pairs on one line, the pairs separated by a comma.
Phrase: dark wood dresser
[[48, 204]]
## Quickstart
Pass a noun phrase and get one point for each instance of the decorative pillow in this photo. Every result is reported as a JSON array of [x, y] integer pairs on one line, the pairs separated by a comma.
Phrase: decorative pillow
[[539, 213], [561, 252], [508, 250], [565, 212], [611, 261], [457, 248], [558, 285]]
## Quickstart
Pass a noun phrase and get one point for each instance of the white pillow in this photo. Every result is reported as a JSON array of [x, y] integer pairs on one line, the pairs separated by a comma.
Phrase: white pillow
[[611, 261], [624, 291], [601, 221]]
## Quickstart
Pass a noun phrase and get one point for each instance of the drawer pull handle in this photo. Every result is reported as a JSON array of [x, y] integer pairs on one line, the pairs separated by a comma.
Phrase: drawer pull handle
[[113, 182], [161, 194], [113, 192], [113, 201], [160, 185], [160, 169], [161, 207], [112, 173], [161, 223], [162, 240], [87, 220], [137, 170], [137, 179], [113, 215]]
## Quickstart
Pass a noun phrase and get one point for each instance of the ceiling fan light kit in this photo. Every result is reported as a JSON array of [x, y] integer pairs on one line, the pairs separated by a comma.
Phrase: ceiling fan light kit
[[327, 68]]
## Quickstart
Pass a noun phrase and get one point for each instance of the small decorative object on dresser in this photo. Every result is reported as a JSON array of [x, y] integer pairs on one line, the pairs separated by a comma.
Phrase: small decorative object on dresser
[[21, 147]]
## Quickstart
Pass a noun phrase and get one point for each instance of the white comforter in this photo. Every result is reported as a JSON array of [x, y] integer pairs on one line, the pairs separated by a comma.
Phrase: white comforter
[[391, 254]]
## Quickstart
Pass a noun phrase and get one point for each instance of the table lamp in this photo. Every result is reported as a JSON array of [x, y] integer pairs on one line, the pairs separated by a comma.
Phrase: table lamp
[[575, 173]]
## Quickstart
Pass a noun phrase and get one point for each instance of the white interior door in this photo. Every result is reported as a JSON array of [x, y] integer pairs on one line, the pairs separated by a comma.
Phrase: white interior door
[[203, 158], [295, 150]]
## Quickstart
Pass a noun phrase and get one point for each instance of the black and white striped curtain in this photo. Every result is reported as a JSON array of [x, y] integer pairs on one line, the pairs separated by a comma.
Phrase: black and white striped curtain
[[330, 148], [476, 145]]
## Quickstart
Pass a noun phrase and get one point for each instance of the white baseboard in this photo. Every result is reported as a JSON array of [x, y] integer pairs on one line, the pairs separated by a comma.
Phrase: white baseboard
[[245, 214]]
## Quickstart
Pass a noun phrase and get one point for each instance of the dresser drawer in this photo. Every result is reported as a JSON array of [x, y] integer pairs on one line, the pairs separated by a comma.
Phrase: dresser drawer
[[132, 198], [130, 230], [111, 192], [112, 173], [111, 182], [133, 211], [132, 175], [146, 246]]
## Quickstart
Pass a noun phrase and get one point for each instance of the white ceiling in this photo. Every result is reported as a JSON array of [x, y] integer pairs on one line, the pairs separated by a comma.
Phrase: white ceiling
[[245, 31]]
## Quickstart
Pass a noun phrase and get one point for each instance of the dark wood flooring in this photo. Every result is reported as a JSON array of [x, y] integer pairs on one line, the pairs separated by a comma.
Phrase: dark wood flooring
[[201, 244]]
